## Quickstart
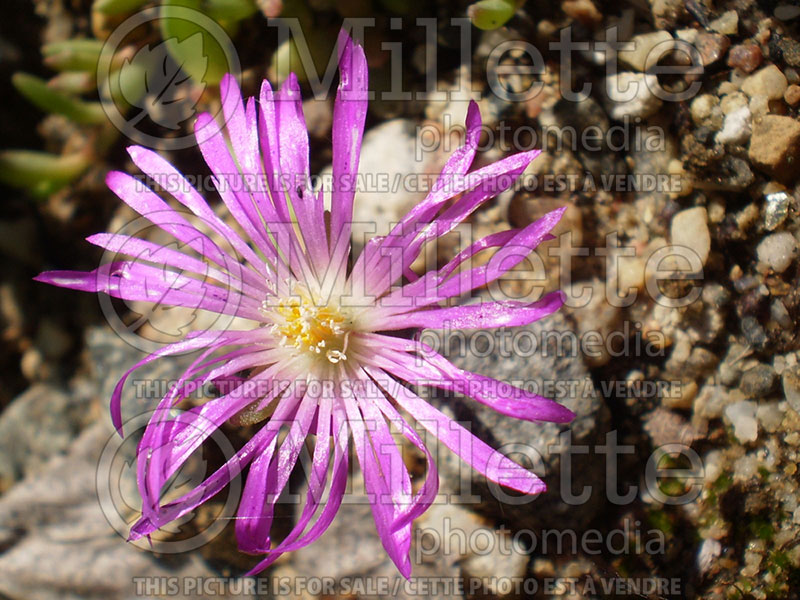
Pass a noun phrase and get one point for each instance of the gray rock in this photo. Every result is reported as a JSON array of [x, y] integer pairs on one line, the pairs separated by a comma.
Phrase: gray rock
[[351, 553], [791, 387], [552, 371], [758, 381], [394, 163], [449, 544], [754, 332], [584, 118], [40, 423], [58, 545], [110, 357]]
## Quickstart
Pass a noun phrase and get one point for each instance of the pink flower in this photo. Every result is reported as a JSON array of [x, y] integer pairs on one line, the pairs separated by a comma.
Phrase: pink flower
[[314, 319]]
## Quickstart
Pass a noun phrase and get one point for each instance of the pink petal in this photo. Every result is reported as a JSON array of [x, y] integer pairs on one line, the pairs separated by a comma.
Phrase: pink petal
[[349, 114], [489, 462]]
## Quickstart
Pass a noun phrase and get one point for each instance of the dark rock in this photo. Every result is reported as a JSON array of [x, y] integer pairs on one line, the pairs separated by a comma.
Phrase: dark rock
[[588, 116], [558, 373], [701, 361], [790, 50], [758, 381]]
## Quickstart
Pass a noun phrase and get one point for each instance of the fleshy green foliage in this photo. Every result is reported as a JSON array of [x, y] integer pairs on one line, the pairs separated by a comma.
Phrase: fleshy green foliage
[[73, 82], [54, 101], [117, 7], [192, 46], [40, 173], [225, 11], [491, 14], [72, 55]]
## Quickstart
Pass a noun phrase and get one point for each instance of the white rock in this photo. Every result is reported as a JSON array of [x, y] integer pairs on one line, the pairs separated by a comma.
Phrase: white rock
[[769, 82], [777, 251], [705, 110], [630, 94], [727, 24], [770, 416], [710, 551], [745, 468], [687, 35], [689, 229], [742, 415], [647, 49], [736, 128]]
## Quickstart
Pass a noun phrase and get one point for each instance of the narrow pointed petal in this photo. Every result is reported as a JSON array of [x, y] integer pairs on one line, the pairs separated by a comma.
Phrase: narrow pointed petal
[[349, 114], [489, 462]]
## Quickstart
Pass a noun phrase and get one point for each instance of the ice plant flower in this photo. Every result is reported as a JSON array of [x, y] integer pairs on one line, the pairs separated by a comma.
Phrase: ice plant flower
[[328, 350]]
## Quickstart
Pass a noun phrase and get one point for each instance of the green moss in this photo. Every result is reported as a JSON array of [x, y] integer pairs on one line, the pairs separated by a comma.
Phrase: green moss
[[722, 483], [762, 528], [660, 520]]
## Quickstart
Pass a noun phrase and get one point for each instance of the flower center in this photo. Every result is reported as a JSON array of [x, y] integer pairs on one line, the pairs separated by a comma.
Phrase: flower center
[[303, 323]]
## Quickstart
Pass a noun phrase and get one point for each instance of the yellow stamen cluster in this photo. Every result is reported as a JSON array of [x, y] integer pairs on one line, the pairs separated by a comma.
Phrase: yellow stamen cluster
[[303, 323]]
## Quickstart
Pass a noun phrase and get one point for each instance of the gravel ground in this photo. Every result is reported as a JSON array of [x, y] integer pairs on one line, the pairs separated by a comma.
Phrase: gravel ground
[[702, 361]]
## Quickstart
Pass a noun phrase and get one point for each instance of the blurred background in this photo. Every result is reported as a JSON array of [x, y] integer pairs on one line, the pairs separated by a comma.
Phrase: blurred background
[[690, 366]]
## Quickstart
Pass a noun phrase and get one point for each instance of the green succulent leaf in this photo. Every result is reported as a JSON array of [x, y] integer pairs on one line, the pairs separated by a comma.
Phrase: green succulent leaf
[[491, 14], [73, 82], [198, 53], [40, 173], [117, 7], [73, 55], [154, 83], [231, 10], [54, 101]]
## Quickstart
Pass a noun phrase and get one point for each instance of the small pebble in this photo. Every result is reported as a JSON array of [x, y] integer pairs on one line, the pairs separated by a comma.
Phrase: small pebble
[[753, 332], [777, 251], [790, 49], [792, 95], [733, 101], [742, 416], [776, 209], [727, 24], [736, 127], [745, 467], [787, 12], [647, 49], [758, 381], [769, 82], [769, 416], [710, 551], [689, 229], [775, 146], [711, 46], [630, 94], [706, 111], [791, 387], [779, 314], [746, 57]]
